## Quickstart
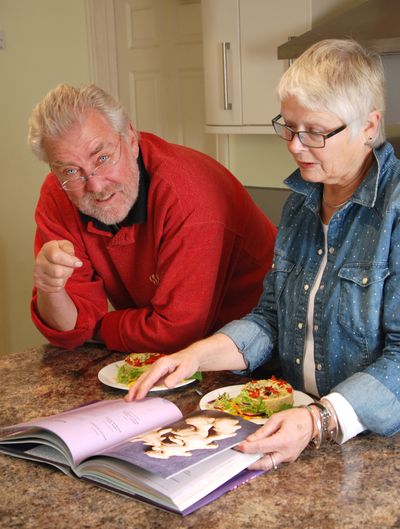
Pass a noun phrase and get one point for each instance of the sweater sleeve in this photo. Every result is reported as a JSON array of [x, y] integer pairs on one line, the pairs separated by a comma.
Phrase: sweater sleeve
[[56, 219]]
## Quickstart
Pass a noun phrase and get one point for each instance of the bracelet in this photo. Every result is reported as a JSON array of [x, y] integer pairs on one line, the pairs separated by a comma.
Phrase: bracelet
[[321, 414], [325, 415], [315, 422], [316, 419], [335, 431]]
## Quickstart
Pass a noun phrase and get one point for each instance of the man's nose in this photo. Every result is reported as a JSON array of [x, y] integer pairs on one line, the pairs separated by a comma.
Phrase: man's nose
[[94, 182]]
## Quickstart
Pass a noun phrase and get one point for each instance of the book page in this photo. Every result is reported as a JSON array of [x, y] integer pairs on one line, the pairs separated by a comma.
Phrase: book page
[[90, 429], [171, 449]]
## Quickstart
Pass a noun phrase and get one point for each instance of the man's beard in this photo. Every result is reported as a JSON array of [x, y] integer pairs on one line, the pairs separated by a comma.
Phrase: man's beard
[[115, 213]]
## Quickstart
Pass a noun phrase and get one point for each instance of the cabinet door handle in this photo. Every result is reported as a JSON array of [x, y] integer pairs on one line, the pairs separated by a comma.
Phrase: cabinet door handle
[[225, 47]]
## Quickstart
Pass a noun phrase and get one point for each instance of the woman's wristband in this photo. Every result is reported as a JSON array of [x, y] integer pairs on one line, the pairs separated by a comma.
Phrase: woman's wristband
[[316, 438], [325, 423], [325, 415], [334, 430]]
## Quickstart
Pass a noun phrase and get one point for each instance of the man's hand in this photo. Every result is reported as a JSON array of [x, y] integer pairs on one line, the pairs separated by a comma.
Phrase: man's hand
[[54, 265]]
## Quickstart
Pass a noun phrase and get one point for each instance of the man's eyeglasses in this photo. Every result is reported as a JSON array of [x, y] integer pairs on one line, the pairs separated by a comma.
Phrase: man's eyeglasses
[[74, 178], [316, 140]]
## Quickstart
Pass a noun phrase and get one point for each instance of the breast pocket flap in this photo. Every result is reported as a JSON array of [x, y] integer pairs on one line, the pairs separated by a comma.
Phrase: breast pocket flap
[[280, 264], [364, 275]]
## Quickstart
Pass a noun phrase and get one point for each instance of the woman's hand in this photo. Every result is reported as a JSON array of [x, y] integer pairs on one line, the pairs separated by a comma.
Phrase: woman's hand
[[285, 435], [216, 353], [168, 370]]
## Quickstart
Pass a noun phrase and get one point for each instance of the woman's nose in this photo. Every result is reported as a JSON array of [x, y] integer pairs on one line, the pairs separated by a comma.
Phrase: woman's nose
[[295, 145]]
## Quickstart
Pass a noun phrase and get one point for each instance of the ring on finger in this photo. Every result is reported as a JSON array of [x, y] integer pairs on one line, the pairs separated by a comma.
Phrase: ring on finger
[[274, 465]]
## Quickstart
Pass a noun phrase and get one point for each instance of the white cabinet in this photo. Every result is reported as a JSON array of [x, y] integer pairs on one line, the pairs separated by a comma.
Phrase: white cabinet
[[241, 69]]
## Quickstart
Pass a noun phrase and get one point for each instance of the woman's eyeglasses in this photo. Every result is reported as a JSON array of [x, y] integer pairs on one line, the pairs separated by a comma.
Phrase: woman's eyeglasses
[[316, 140]]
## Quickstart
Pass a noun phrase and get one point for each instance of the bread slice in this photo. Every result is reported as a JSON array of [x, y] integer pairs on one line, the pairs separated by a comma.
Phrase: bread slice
[[257, 399], [276, 394]]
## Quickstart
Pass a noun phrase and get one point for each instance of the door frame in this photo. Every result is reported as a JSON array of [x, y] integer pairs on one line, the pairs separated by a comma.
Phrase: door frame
[[102, 46]]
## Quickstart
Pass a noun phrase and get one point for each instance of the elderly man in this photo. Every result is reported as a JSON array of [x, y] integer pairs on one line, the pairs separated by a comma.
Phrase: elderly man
[[142, 244]]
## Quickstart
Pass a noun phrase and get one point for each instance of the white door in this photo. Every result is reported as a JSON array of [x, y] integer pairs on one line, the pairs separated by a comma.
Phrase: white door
[[160, 69]]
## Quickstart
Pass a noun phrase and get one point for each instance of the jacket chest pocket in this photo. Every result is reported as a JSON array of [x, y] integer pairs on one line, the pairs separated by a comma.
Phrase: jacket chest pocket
[[361, 297], [281, 269]]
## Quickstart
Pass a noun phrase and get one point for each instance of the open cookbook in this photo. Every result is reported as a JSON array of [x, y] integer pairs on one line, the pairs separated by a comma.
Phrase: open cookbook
[[144, 449]]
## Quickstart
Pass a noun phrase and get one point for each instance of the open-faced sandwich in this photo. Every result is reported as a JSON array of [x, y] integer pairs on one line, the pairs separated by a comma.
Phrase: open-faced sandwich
[[137, 363], [257, 399], [134, 365]]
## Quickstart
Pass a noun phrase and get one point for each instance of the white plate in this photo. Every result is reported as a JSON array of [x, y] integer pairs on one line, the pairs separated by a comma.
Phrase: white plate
[[299, 398], [108, 376]]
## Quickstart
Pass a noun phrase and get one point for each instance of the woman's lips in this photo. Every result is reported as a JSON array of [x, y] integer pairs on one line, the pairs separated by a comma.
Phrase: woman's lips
[[306, 165]]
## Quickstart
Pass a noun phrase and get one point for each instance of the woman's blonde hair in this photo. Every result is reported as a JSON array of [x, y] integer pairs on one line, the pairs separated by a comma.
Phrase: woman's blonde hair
[[338, 76], [65, 106]]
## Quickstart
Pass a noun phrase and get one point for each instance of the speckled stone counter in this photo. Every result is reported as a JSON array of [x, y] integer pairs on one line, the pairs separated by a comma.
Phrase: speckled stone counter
[[338, 487]]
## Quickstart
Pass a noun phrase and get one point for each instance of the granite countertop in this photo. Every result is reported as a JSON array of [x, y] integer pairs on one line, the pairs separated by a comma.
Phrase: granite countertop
[[351, 486]]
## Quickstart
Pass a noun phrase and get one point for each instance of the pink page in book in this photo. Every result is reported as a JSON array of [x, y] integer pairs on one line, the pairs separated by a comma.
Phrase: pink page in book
[[90, 429]]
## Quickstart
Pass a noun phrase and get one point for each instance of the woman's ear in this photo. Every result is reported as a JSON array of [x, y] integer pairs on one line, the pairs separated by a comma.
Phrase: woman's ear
[[372, 125]]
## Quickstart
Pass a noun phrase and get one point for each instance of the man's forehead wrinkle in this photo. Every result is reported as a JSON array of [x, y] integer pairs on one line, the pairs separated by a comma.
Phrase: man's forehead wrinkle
[[98, 147]]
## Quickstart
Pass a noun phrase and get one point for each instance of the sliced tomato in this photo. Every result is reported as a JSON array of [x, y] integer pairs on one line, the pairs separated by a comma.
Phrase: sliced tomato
[[152, 358], [142, 359]]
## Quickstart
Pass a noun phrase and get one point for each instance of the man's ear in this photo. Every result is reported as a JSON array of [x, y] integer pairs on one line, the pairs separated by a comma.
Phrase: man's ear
[[133, 141]]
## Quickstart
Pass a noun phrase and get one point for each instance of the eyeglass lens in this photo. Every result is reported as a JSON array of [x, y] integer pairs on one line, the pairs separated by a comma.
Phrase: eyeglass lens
[[309, 139], [80, 179]]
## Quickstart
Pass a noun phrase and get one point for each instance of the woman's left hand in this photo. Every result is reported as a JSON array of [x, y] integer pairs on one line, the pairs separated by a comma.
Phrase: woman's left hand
[[284, 436]]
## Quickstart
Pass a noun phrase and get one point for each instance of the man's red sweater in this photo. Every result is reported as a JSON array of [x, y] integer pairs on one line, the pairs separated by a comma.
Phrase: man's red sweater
[[192, 260]]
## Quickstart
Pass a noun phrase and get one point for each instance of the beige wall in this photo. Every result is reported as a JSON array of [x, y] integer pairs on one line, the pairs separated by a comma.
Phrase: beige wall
[[260, 160], [45, 44]]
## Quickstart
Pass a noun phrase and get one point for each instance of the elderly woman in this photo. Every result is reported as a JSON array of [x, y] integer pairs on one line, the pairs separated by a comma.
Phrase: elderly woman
[[331, 304]]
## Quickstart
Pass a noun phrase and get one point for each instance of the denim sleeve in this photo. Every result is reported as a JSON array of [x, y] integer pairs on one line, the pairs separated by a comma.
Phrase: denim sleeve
[[255, 335], [375, 392], [376, 406]]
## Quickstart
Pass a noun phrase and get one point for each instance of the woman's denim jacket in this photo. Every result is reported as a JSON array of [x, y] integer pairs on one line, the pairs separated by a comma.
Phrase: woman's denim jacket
[[357, 306]]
